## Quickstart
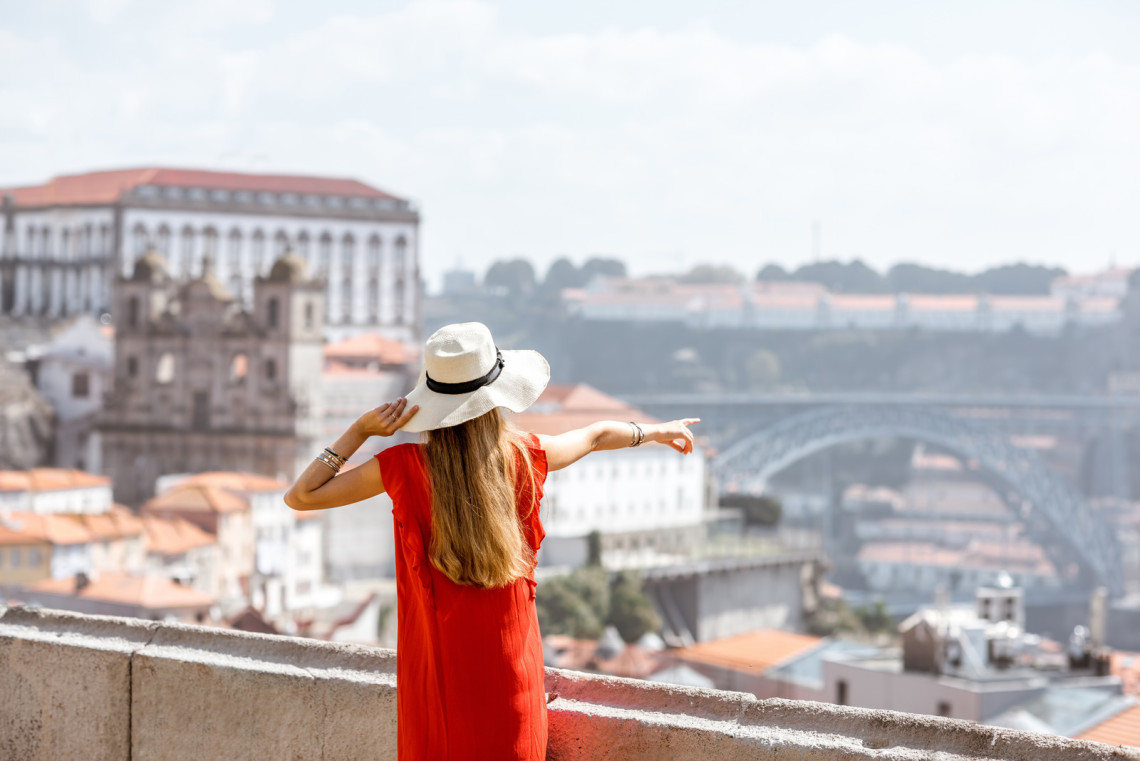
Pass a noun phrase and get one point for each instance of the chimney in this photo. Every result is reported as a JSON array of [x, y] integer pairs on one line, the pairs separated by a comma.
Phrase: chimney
[[1098, 614]]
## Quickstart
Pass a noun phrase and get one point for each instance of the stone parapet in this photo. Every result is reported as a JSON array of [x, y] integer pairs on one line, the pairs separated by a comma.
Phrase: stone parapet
[[74, 686]]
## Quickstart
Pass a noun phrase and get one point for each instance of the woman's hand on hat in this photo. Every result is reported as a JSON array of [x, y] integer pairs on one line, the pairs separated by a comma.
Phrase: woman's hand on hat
[[386, 419], [675, 433]]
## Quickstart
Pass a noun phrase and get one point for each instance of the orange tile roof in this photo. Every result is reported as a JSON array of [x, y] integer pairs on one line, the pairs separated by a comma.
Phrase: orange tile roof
[[1121, 729], [234, 481], [195, 498], [372, 346], [110, 186], [753, 653], [28, 528], [633, 662], [173, 536], [115, 524], [150, 592], [563, 408], [49, 479]]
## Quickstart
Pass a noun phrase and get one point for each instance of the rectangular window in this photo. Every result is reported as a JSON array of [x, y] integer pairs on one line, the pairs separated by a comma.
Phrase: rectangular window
[[80, 383], [34, 558], [944, 708], [14, 558], [841, 692]]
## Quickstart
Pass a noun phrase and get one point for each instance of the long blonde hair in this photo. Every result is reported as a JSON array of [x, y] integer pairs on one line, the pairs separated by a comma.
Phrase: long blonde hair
[[476, 535]]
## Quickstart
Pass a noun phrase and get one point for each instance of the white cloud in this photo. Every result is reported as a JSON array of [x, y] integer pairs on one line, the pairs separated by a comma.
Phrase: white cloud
[[642, 142]]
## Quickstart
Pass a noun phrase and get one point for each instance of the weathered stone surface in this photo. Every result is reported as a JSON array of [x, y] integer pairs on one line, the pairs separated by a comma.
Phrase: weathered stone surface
[[91, 687], [65, 684], [204, 693]]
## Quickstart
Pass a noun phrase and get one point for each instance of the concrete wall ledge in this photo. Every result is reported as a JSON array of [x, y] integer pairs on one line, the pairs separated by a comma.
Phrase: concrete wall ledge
[[93, 687]]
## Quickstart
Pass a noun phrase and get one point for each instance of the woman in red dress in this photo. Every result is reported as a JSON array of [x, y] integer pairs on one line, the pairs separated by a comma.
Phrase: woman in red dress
[[469, 670]]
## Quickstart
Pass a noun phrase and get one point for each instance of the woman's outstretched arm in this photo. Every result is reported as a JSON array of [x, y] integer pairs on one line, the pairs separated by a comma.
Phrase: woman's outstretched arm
[[319, 487], [569, 447]]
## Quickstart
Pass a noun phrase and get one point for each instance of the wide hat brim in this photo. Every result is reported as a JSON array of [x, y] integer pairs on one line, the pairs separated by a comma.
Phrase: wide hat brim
[[523, 378]]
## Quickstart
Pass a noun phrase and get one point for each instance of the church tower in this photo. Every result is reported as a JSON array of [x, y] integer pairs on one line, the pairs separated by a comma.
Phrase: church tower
[[202, 384]]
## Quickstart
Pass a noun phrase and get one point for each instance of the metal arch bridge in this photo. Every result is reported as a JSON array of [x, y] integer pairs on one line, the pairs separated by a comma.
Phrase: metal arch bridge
[[761, 455]]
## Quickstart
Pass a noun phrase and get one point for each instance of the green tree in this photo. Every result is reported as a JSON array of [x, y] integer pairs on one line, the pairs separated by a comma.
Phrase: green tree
[[603, 266], [772, 272], [712, 273], [855, 277], [592, 584], [562, 274], [561, 610], [631, 611], [875, 619], [594, 548], [762, 369], [515, 276], [759, 509]]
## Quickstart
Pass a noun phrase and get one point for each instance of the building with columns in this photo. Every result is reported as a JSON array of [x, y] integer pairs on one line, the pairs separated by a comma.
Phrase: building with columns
[[63, 242]]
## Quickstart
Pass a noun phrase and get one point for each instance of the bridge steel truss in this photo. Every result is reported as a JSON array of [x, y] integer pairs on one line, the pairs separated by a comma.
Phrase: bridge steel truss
[[755, 459]]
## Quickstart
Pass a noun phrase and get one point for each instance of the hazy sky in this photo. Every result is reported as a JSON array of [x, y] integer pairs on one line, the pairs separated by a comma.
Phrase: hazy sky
[[959, 134]]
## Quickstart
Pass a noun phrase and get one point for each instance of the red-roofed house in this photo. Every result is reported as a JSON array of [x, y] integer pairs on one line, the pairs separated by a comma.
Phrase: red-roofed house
[[54, 490], [36, 547], [73, 233], [223, 514], [646, 502], [119, 594]]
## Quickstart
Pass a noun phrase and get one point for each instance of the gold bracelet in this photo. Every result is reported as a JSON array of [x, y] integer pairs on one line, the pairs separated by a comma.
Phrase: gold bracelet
[[335, 457]]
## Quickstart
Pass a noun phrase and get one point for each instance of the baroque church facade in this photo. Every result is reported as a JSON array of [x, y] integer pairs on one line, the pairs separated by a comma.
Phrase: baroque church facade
[[202, 382], [63, 243]]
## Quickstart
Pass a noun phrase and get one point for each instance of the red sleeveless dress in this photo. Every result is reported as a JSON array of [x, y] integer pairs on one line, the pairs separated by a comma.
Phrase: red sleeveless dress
[[469, 670]]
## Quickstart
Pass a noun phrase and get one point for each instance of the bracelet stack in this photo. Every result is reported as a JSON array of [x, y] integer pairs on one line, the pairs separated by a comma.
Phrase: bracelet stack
[[332, 459], [638, 435]]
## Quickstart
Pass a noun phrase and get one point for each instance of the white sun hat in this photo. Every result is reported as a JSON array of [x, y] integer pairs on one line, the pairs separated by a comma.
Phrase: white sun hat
[[465, 375]]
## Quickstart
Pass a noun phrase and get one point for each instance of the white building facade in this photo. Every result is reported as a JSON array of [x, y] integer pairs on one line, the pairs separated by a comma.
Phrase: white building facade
[[647, 501], [63, 242]]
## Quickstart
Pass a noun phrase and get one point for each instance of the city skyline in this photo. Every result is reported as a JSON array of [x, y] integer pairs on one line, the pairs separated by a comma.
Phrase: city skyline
[[664, 135]]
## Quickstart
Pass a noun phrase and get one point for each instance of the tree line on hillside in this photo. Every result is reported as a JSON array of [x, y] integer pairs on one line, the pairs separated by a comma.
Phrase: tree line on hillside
[[518, 277]]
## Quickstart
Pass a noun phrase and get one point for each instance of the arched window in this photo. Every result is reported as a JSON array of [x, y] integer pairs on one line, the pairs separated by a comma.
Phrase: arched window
[[164, 371], [324, 254], [133, 312], [139, 239], [163, 240], [270, 369], [280, 244], [303, 245], [375, 253], [238, 368], [210, 243], [348, 252], [348, 270], [233, 253], [45, 243], [271, 309], [65, 244], [374, 298], [104, 240], [401, 253], [186, 252], [309, 315], [88, 240], [132, 367], [30, 242], [257, 253]]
